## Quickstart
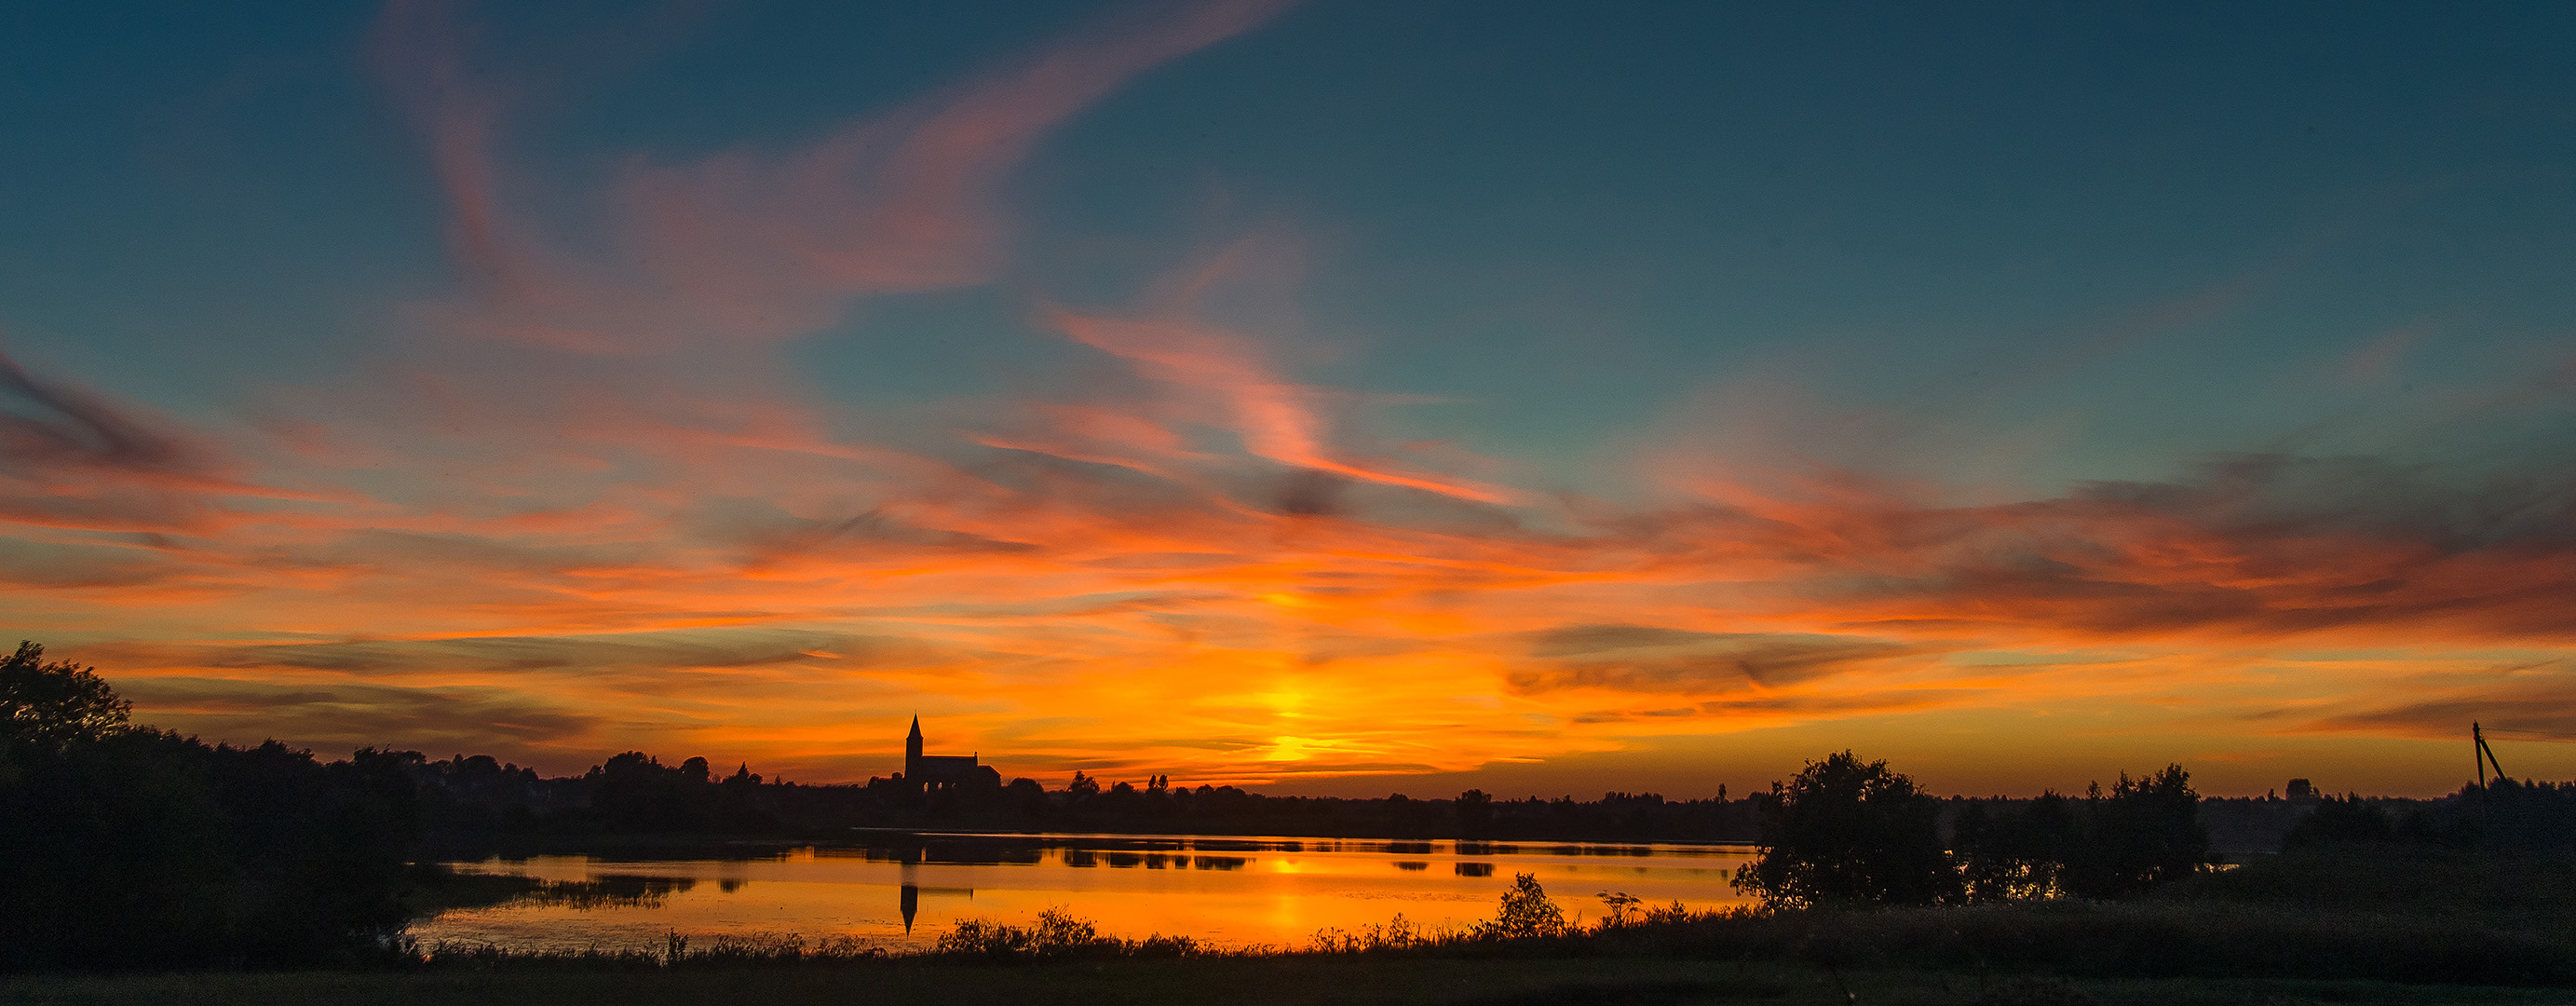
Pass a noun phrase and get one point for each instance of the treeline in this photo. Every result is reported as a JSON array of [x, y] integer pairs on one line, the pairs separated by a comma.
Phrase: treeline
[[124, 846], [2507, 814], [1848, 831], [630, 794], [472, 798], [468, 797]]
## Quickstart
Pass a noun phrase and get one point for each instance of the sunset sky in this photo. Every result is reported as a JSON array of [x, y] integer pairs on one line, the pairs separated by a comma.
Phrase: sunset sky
[[1342, 397]]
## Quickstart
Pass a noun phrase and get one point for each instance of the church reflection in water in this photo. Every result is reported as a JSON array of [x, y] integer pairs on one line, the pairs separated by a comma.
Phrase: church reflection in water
[[909, 898], [1116, 852]]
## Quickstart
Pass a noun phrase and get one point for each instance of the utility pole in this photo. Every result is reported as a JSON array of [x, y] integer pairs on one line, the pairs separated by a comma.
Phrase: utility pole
[[2485, 755]]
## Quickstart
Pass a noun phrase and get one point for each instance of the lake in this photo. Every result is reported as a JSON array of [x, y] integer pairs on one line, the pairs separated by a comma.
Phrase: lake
[[902, 892]]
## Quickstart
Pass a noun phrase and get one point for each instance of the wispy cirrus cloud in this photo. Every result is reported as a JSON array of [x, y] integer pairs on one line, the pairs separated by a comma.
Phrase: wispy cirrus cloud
[[747, 247], [73, 458]]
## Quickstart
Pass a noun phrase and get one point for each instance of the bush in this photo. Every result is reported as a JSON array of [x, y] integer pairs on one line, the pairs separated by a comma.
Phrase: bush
[[1526, 913]]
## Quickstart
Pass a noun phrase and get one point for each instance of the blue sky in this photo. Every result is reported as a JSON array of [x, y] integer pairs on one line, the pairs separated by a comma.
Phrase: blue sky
[[1567, 218]]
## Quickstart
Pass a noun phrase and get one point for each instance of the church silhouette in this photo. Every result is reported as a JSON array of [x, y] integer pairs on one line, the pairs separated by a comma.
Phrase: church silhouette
[[934, 772]]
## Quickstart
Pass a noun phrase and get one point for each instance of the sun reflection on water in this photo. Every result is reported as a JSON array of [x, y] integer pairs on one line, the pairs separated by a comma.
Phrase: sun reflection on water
[[1234, 891]]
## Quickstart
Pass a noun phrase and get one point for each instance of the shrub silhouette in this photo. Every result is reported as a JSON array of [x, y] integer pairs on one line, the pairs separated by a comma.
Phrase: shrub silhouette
[[1526, 913]]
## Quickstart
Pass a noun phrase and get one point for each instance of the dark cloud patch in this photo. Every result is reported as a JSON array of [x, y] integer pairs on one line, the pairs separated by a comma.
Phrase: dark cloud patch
[[1163, 561], [877, 528], [339, 718], [2278, 495], [1325, 766], [46, 423], [1883, 700], [1202, 743], [49, 565], [1307, 493], [1324, 649], [2249, 545], [658, 651], [1627, 716], [348, 657], [1877, 701], [2537, 703], [1664, 661], [762, 533], [69, 458], [480, 555], [226, 698], [1583, 640]]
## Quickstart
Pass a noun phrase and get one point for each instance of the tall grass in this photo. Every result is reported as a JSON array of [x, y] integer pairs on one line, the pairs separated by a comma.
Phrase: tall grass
[[1056, 936]]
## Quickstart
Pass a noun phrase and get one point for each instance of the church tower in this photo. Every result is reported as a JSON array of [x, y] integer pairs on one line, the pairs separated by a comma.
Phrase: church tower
[[926, 772]]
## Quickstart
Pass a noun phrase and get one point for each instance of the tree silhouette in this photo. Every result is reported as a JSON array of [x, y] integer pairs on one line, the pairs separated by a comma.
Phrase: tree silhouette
[[1475, 813], [1849, 831], [2010, 853], [50, 705], [2145, 833]]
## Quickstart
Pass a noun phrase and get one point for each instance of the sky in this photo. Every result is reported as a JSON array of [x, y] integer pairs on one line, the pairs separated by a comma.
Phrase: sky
[[1330, 397]]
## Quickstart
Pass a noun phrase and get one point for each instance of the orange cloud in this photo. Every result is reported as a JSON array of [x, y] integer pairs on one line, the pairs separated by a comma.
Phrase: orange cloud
[[1277, 419]]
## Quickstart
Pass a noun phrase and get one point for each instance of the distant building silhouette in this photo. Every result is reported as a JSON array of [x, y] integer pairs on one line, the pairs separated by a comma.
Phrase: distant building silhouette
[[930, 772]]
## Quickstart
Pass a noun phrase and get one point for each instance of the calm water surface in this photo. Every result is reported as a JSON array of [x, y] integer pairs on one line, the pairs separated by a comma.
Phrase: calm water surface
[[904, 892]]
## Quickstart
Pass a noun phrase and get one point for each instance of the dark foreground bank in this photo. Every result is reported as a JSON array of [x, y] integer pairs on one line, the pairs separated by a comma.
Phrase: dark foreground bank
[[1357, 981], [2368, 923]]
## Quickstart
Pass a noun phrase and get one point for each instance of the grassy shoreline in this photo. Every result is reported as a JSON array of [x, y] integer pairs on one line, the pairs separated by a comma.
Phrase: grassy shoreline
[[1362, 980]]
